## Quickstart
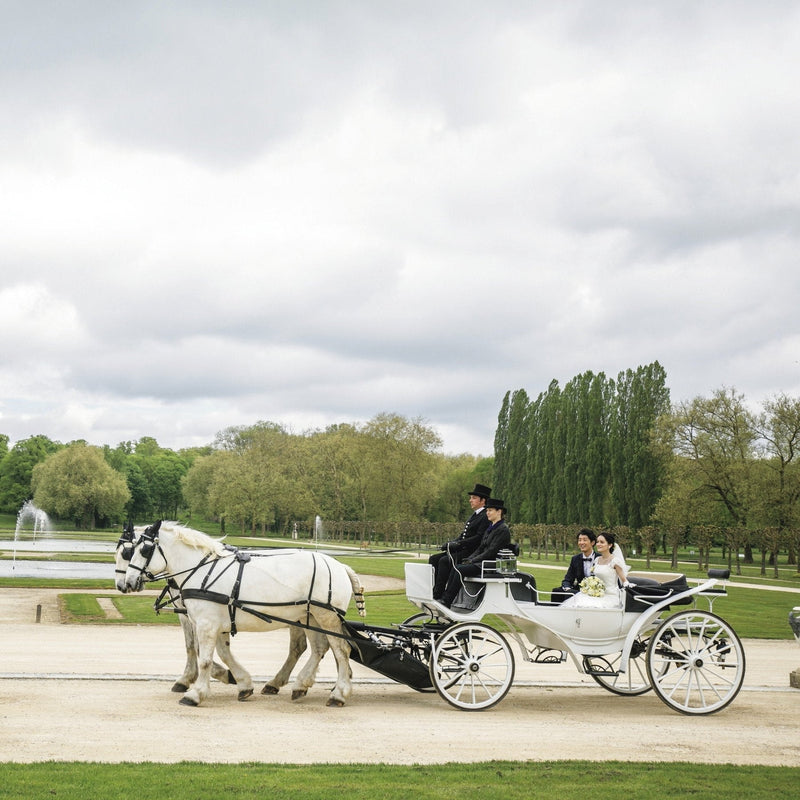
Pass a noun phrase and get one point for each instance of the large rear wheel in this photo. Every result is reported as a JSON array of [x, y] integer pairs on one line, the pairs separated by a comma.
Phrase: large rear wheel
[[472, 666], [696, 662]]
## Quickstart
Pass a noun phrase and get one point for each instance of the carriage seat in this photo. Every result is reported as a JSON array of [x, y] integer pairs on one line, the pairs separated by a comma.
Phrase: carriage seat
[[647, 591]]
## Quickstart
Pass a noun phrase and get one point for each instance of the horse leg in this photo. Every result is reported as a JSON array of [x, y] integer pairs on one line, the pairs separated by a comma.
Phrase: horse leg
[[240, 676], [189, 675], [297, 646], [343, 687], [207, 635], [308, 674]]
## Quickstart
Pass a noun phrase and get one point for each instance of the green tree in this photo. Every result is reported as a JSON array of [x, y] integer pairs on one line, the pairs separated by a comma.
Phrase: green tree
[[77, 483], [16, 470], [400, 467], [717, 438]]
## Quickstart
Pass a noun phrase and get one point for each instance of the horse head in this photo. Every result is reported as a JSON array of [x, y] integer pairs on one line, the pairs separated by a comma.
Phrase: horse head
[[122, 556], [138, 567]]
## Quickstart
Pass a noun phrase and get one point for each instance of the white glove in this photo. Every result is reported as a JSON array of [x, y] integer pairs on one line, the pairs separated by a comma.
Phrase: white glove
[[628, 585]]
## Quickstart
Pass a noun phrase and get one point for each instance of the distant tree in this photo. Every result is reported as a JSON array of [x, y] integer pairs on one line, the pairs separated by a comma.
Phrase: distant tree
[[16, 470], [197, 482], [140, 504], [638, 469], [77, 483], [400, 467]]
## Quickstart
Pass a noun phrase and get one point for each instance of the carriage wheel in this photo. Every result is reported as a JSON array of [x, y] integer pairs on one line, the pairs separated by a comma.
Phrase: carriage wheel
[[696, 662], [472, 666], [636, 680]]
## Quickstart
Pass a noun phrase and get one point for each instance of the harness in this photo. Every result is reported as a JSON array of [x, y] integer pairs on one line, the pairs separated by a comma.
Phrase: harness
[[216, 567]]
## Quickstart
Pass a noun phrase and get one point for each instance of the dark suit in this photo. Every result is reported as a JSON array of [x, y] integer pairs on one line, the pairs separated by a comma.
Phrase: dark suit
[[572, 580], [495, 539], [459, 549]]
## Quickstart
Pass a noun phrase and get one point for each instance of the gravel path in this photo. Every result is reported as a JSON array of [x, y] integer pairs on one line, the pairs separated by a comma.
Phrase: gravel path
[[102, 693]]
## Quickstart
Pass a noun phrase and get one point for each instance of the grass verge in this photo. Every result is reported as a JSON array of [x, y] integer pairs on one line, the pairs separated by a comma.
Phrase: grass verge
[[497, 780]]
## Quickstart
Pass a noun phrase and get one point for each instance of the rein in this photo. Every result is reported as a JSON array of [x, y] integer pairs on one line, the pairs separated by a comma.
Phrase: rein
[[148, 544]]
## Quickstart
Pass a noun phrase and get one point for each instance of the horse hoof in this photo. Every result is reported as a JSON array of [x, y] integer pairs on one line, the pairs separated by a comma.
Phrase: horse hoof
[[179, 687], [298, 693], [244, 694], [187, 701], [334, 703], [269, 689]]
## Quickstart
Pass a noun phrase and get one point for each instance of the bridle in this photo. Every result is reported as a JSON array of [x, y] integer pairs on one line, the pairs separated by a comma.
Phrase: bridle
[[147, 544], [126, 544]]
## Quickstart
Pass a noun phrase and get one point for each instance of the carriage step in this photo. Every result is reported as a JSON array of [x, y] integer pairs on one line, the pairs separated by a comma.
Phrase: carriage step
[[602, 670]]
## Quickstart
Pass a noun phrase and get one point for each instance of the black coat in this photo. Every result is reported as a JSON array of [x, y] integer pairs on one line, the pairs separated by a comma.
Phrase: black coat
[[471, 536], [575, 573], [492, 542]]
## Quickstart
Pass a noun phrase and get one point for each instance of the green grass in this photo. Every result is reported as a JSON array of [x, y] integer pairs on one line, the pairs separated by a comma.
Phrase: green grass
[[136, 610], [496, 780]]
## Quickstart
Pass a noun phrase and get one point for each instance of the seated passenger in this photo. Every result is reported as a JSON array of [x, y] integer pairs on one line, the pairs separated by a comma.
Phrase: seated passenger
[[580, 566], [609, 568], [496, 537]]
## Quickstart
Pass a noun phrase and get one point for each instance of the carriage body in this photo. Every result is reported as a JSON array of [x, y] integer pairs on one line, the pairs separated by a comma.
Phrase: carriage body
[[692, 658]]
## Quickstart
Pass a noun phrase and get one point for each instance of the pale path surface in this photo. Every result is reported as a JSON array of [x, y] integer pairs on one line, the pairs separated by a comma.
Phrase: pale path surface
[[102, 693]]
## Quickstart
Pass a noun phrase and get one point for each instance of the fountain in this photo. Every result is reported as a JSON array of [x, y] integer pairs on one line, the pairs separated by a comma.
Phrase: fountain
[[41, 523], [318, 531]]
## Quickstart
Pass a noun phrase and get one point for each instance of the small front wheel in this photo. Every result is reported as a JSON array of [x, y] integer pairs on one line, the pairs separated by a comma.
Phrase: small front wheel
[[605, 669], [472, 666], [696, 662]]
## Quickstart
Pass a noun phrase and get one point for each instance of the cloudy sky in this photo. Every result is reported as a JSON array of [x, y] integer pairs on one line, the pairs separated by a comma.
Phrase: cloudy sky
[[214, 213]]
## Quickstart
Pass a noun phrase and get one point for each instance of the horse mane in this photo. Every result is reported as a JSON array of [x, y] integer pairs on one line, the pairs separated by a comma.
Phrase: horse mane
[[196, 539]]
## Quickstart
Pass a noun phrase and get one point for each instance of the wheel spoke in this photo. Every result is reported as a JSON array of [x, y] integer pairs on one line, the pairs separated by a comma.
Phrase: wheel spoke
[[696, 662], [472, 666]]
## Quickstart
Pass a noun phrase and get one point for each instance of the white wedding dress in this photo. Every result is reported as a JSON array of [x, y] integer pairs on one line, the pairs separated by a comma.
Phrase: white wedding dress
[[611, 598]]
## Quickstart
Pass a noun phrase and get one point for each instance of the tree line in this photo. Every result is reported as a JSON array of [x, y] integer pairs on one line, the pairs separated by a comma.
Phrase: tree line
[[254, 478], [607, 453], [616, 454], [582, 453]]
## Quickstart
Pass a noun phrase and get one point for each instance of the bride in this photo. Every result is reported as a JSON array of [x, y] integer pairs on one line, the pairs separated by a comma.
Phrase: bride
[[609, 566]]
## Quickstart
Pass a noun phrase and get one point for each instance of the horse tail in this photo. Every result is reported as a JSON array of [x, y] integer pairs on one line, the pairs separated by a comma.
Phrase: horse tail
[[358, 591]]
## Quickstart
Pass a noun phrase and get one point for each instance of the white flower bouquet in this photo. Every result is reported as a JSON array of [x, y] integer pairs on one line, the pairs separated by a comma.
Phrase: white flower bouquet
[[593, 586]]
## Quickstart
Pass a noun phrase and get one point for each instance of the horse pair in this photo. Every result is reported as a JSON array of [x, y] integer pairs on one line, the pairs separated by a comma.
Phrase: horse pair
[[223, 590]]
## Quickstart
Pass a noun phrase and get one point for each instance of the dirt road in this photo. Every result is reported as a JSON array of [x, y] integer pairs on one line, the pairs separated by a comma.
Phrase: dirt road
[[102, 693]]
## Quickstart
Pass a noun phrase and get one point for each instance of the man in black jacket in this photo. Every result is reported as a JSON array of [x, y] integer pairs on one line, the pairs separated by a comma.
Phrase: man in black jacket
[[465, 544], [496, 538], [580, 566]]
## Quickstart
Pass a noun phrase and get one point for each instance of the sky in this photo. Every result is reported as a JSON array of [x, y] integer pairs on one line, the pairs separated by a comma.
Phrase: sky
[[309, 213]]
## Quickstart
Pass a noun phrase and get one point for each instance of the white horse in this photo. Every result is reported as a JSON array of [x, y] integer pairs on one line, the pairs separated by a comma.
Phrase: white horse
[[225, 591], [297, 636], [122, 555]]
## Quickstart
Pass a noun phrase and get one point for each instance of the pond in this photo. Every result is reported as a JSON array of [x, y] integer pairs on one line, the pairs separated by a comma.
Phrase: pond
[[18, 568], [56, 569]]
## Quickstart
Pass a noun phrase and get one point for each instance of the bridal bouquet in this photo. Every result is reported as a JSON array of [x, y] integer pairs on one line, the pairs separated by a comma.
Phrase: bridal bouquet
[[592, 586]]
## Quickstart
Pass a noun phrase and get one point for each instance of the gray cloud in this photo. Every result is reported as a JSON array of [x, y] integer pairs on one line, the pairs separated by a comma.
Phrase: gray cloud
[[312, 213]]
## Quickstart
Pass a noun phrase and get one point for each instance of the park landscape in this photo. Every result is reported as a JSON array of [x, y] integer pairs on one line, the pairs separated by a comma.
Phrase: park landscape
[[86, 689]]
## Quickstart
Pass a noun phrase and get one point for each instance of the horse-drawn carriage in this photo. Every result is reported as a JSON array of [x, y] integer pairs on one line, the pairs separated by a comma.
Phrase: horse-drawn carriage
[[691, 658]]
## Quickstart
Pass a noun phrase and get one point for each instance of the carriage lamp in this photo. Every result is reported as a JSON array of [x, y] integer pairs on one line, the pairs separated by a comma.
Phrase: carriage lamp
[[794, 622], [506, 563]]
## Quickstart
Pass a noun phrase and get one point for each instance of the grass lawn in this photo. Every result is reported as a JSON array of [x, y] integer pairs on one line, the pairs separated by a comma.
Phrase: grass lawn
[[500, 780]]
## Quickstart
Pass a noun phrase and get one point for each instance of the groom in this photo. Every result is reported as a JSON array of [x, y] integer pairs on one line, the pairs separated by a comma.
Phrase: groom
[[580, 566]]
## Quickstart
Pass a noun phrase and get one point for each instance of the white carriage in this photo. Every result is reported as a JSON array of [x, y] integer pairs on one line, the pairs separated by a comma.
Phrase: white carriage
[[691, 658]]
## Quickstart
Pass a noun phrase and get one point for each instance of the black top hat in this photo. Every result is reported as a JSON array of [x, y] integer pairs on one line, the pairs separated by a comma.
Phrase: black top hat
[[493, 502], [481, 491]]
